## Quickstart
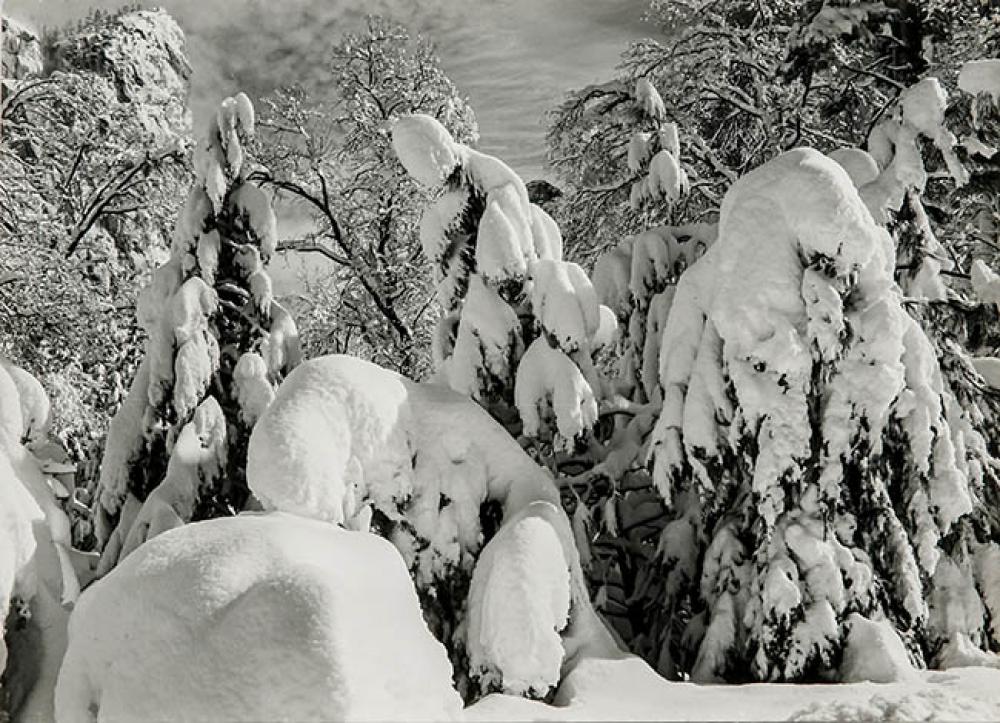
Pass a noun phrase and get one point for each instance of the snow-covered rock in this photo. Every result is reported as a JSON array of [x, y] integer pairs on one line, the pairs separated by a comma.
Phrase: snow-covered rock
[[257, 617]]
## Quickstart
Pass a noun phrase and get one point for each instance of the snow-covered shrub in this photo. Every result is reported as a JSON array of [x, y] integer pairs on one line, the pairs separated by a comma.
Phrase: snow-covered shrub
[[38, 580], [807, 440], [505, 289], [349, 442], [256, 617], [217, 346]]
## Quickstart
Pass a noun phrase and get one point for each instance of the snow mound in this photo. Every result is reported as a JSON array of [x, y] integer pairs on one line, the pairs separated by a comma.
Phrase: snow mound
[[425, 148], [519, 602], [257, 617], [874, 652], [649, 99]]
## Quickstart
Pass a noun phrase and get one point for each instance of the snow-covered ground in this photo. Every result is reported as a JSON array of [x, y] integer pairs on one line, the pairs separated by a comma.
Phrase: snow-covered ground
[[627, 689]]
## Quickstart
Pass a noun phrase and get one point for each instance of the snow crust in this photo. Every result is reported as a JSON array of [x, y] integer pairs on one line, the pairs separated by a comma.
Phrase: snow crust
[[257, 617]]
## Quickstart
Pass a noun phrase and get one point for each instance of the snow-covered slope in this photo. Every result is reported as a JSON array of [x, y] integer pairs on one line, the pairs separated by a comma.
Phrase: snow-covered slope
[[257, 617]]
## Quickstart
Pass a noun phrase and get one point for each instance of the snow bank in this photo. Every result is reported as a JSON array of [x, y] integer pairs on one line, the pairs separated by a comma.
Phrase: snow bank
[[257, 617], [627, 689], [38, 581]]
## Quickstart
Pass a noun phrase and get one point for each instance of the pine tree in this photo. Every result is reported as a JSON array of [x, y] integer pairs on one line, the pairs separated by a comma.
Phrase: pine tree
[[520, 323], [217, 346]]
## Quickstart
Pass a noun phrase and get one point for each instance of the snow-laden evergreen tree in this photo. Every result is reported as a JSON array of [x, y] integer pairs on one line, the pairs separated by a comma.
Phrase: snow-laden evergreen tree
[[815, 458], [476, 520], [217, 346], [520, 323]]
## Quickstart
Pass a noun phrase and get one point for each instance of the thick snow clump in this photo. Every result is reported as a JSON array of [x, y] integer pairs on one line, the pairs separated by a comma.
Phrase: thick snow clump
[[255, 617]]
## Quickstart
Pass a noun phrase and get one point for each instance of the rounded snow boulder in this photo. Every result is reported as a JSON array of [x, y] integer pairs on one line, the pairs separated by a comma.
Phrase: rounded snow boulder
[[255, 617]]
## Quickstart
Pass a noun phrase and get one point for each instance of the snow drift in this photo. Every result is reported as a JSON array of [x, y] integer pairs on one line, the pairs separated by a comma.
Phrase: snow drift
[[256, 617]]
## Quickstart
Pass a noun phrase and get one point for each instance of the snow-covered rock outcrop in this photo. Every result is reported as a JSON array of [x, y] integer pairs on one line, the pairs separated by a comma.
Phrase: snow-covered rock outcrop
[[349, 442], [255, 617]]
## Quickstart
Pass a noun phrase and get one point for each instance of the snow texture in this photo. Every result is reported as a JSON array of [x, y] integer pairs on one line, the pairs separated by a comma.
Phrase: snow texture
[[649, 99], [564, 302], [257, 617], [549, 385], [874, 652], [748, 323], [519, 602], [894, 144], [981, 76], [425, 148], [487, 344], [625, 688], [425, 457], [859, 164], [34, 404]]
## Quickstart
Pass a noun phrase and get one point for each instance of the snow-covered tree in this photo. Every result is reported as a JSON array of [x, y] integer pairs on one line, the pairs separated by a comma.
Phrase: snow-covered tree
[[333, 160], [93, 154], [217, 346], [476, 520], [746, 80], [520, 324], [815, 458]]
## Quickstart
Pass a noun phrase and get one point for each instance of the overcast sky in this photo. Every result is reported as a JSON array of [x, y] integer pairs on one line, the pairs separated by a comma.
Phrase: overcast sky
[[513, 58]]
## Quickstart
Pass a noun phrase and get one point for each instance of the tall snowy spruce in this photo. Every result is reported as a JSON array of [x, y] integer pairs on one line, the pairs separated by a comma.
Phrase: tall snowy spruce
[[520, 324], [218, 344], [816, 461]]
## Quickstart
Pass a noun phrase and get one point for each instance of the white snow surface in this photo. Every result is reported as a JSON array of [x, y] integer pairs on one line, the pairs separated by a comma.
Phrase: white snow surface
[[257, 617], [625, 688], [649, 99], [487, 343], [519, 602], [859, 164], [981, 76], [425, 148], [564, 302], [874, 652], [548, 384]]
